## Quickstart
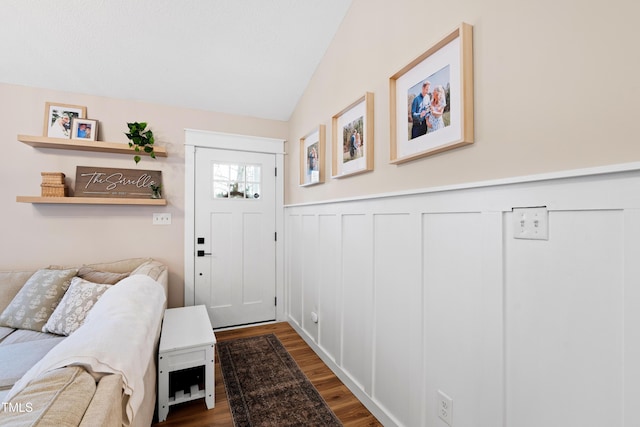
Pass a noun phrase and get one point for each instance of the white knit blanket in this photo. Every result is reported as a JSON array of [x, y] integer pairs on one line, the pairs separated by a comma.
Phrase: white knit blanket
[[118, 336]]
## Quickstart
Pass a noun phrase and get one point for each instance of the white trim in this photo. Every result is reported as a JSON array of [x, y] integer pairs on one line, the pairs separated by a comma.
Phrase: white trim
[[225, 141], [573, 173], [231, 141], [189, 224]]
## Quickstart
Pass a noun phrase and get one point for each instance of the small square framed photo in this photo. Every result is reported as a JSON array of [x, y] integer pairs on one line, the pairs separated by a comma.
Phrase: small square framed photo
[[58, 118], [85, 129]]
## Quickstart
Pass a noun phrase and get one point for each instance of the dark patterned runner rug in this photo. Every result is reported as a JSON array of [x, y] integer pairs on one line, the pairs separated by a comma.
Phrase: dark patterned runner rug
[[265, 386]]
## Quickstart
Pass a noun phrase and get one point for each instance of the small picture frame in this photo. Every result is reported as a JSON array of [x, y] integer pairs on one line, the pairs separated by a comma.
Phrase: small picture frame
[[84, 129], [352, 138], [58, 118], [431, 99], [312, 149]]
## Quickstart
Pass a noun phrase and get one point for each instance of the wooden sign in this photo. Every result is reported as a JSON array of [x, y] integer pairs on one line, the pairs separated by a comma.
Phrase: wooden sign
[[116, 183]]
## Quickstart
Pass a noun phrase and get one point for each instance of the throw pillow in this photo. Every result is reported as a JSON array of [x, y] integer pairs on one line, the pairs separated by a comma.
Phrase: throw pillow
[[10, 284], [74, 307], [98, 276], [38, 298]]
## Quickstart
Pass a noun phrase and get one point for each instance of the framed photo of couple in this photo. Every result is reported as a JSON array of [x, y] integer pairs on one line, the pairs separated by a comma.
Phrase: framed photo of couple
[[312, 149], [352, 138], [431, 99], [58, 118]]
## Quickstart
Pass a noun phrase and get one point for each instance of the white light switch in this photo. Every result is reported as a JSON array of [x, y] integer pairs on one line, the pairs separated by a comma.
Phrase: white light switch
[[531, 223], [162, 218]]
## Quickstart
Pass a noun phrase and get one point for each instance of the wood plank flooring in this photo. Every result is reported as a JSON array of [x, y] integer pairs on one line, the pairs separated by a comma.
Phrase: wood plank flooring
[[342, 402]]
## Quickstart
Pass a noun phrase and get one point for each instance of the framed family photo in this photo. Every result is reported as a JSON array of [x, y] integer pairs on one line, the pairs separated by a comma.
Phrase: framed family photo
[[85, 129], [431, 99], [312, 149], [352, 138], [58, 118]]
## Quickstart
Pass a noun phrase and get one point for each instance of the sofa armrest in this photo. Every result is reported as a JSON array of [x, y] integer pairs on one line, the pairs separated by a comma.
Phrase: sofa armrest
[[157, 271], [105, 409], [56, 398]]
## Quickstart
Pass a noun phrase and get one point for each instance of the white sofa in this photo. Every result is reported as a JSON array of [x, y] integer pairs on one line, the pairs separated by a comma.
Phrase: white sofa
[[78, 345]]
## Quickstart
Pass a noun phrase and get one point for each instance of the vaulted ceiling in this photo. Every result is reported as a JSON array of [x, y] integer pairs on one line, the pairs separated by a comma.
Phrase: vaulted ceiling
[[245, 57]]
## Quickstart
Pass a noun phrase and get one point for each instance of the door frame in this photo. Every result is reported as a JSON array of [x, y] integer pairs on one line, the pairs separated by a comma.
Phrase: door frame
[[234, 142]]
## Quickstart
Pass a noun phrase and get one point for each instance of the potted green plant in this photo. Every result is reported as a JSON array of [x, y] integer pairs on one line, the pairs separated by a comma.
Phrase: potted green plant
[[156, 191], [140, 138]]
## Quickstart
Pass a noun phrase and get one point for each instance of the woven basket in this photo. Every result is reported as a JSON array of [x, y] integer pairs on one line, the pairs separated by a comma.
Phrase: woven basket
[[54, 190], [52, 177]]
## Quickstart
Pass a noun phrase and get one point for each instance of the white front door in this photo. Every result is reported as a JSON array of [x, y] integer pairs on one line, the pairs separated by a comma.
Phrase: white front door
[[235, 225]]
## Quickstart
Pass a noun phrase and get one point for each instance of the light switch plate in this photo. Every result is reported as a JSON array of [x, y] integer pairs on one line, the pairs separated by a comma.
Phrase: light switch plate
[[531, 223], [162, 218]]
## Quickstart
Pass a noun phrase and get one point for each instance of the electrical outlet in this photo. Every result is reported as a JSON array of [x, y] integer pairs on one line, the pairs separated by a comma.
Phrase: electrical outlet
[[161, 219], [445, 407], [531, 223]]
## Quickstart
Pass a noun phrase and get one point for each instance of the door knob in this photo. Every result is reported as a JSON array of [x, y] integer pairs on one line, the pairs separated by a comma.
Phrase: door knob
[[203, 253]]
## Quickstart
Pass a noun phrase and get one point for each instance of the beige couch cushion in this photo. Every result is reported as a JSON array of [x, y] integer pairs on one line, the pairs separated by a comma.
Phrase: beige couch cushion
[[57, 398], [122, 266], [24, 335], [10, 284], [17, 359], [105, 409], [34, 303], [152, 269], [98, 276], [74, 306], [5, 332]]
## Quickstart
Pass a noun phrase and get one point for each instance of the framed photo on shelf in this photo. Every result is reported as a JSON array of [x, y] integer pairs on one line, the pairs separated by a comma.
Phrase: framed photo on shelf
[[431, 99], [312, 149], [352, 138], [85, 129], [58, 118]]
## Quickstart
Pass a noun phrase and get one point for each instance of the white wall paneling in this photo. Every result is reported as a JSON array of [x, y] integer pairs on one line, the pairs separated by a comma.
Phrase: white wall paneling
[[330, 289], [631, 317], [429, 291]]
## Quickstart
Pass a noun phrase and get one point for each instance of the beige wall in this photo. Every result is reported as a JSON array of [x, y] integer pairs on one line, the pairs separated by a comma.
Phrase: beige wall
[[556, 86], [38, 235], [555, 89]]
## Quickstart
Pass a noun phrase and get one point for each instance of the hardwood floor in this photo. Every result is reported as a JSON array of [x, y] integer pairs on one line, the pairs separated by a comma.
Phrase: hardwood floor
[[344, 404]]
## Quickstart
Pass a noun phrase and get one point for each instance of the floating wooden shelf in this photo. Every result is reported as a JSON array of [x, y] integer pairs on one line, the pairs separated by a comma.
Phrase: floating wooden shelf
[[75, 144], [89, 201]]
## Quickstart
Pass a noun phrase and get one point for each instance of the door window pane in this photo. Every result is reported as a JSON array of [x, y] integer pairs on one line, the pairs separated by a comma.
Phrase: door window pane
[[220, 190], [236, 181], [253, 173]]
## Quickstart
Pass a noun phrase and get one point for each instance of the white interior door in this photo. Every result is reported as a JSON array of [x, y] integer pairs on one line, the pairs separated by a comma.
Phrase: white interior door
[[235, 225]]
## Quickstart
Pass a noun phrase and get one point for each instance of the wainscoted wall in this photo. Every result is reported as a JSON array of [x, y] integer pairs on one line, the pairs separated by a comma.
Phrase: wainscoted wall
[[427, 291]]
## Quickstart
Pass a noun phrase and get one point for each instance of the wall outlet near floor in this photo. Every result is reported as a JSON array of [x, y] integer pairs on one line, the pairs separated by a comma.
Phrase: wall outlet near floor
[[162, 219], [445, 407]]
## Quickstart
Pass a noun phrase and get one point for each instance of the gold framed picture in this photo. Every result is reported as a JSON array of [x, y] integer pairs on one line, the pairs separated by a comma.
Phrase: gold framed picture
[[312, 151], [58, 118], [431, 99], [352, 138]]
